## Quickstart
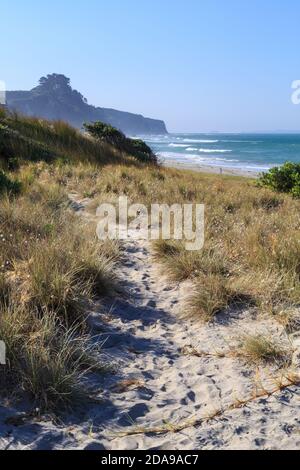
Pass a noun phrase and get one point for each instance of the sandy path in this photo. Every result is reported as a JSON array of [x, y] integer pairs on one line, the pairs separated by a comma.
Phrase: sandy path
[[156, 385]]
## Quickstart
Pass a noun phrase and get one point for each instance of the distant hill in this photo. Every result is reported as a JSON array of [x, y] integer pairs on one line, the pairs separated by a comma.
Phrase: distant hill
[[54, 98]]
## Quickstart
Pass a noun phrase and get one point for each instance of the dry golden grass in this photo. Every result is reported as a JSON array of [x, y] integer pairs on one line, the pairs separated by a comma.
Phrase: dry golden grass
[[51, 266], [261, 348], [211, 296], [33, 139], [45, 359]]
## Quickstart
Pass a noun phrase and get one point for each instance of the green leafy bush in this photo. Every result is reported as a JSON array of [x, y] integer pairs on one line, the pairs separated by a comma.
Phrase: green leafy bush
[[106, 133], [284, 179], [112, 136]]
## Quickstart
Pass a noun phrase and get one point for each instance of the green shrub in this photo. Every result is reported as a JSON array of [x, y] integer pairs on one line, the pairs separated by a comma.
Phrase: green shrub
[[141, 150], [296, 187], [284, 179], [108, 134]]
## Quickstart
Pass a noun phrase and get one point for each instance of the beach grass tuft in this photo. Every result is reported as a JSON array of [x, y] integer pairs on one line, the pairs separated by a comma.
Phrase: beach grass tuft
[[261, 348]]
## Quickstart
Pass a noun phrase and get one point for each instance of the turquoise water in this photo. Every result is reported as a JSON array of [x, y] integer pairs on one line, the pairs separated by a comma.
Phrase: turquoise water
[[257, 152]]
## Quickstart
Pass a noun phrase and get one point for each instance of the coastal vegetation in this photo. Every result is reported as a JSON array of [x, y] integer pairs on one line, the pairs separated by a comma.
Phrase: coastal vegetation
[[258, 348], [284, 179], [109, 135], [51, 263], [251, 253], [53, 266]]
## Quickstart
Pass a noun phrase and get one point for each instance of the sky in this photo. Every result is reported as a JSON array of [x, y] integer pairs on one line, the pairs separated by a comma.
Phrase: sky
[[201, 65]]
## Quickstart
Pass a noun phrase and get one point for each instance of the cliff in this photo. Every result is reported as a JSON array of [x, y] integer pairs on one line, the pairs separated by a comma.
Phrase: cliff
[[54, 98]]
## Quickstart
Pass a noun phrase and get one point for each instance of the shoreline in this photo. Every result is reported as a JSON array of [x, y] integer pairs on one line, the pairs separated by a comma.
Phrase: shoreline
[[211, 169]]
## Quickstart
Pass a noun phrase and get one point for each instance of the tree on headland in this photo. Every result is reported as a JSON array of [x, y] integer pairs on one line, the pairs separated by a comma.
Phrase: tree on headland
[[55, 80]]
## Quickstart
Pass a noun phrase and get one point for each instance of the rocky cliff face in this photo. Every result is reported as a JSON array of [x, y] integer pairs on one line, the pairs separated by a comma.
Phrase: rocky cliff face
[[54, 98]]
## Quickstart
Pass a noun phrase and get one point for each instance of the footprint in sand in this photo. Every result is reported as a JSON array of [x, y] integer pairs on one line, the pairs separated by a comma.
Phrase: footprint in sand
[[137, 411]]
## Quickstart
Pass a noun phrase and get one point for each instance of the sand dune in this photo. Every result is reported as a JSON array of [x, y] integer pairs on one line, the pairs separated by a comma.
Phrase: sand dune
[[173, 374]]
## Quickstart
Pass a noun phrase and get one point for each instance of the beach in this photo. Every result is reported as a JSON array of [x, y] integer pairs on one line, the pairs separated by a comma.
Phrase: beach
[[201, 168]]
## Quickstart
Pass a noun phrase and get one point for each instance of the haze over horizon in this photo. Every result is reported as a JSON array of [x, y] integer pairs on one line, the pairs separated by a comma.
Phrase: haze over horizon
[[200, 66]]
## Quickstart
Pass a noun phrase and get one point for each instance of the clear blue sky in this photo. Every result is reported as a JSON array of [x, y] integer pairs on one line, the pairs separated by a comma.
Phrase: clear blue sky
[[201, 65]]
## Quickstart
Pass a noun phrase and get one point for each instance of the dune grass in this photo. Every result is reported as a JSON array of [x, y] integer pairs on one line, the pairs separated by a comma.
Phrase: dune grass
[[212, 295], [45, 359], [51, 267], [262, 348], [32, 139]]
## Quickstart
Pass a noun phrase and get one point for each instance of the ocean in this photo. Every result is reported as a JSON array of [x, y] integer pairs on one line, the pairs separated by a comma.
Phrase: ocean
[[252, 152]]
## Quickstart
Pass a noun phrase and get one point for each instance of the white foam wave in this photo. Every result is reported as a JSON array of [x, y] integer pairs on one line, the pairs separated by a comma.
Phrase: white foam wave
[[241, 141], [226, 160], [201, 150], [201, 141], [181, 157], [214, 151], [178, 145]]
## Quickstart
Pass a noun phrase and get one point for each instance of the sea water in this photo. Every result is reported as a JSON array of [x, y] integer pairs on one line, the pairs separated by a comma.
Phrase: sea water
[[252, 152]]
